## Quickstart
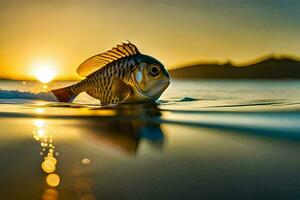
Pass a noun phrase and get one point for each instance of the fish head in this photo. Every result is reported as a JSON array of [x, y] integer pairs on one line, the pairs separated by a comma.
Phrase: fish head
[[150, 76]]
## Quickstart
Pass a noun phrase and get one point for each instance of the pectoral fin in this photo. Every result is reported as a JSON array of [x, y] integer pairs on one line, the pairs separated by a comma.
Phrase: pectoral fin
[[121, 89]]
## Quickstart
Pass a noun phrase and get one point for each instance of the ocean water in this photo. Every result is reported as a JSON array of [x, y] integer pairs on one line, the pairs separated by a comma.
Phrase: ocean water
[[211, 139]]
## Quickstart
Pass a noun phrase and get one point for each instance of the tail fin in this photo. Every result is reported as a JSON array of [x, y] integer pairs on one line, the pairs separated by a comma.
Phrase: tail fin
[[64, 94]]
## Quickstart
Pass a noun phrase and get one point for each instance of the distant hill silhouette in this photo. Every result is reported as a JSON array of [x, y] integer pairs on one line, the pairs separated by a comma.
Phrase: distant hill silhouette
[[268, 68]]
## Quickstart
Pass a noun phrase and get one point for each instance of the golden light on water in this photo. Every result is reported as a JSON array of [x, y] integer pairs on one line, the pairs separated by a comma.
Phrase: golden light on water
[[50, 194], [39, 123], [44, 71], [85, 161], [51, 159], [48, 166], [53, 180], [41, 133], [44, 135]]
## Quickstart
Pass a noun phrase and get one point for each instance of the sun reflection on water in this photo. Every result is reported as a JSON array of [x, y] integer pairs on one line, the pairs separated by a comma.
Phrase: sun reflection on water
[[44, 135], [53, 180]]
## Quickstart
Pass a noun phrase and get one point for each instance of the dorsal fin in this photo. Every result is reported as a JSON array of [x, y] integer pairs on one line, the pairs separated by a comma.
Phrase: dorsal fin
[[101, 60]]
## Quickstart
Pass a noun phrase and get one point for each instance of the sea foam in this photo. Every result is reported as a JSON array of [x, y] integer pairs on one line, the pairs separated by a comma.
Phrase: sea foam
[[16, 94]]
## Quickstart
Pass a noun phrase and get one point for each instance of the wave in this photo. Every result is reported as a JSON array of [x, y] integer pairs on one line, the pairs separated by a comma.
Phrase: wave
[[178, 100], [16, 94]]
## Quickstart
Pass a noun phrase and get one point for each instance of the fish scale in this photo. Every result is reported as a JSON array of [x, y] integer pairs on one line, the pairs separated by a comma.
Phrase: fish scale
[[98, 84]]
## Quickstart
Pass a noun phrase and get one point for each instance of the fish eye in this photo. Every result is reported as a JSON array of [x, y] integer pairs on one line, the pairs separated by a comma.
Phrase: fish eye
[[154, 70]]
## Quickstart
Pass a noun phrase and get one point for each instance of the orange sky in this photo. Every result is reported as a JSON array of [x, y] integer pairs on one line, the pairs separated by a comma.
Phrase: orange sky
[[60, 34]]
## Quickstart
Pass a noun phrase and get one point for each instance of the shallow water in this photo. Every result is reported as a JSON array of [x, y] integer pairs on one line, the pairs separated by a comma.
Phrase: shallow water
[[203, 139]]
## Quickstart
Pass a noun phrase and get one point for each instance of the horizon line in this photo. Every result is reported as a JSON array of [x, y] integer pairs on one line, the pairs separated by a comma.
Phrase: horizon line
[[234, 64]]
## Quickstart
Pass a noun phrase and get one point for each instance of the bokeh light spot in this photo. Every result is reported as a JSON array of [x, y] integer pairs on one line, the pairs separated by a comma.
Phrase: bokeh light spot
[[85, 161], [53, 180], [48, 166]]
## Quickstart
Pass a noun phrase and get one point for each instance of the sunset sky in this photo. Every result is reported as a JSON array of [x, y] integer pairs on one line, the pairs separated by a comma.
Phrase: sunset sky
[[60, 34]]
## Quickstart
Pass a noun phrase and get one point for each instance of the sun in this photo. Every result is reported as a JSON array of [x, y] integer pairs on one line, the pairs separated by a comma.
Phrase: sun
[[44, 75], [44, 72]]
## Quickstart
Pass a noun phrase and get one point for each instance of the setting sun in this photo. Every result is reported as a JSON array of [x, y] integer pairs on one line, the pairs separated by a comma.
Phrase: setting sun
[[44, 72]]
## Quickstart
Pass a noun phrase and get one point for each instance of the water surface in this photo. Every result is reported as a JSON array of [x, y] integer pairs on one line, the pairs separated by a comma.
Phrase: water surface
[[203, 139]]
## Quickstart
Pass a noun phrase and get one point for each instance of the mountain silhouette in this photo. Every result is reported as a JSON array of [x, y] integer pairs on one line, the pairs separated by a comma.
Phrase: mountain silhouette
[[270, 67]]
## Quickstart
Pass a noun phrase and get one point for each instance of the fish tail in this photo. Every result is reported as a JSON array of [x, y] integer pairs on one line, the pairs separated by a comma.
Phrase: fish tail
[[65, 94]]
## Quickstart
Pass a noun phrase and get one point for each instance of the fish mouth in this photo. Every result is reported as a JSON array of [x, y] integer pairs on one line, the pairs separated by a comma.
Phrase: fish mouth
[[143, 93], [157, 92], [164, 83], [167, 83]]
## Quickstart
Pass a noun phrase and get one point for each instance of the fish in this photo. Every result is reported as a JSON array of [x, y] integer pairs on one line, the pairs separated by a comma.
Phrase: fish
[[119, 75]]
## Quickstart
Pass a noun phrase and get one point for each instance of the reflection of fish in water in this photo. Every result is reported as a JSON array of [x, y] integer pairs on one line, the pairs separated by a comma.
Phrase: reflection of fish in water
[[120, 75], [125, 132]]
